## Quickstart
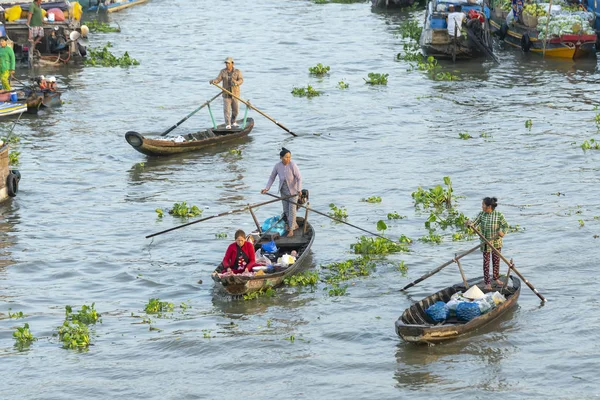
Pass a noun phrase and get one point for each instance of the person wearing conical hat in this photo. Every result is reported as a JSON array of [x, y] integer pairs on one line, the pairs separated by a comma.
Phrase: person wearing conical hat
[[7, 63], [232, 79]]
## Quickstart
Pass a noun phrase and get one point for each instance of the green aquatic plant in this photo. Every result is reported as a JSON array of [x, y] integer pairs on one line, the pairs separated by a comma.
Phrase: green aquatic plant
[[434, 197], [235, 152], [592, 144], [337, 290], [377, 79], [206, 333], [182, 210], [268, 292], [23, 337], [339, 213], [377, 246], [221, 235], [319, 69], [395, 215], [74, 335], [402, 267], [97, 57], [13, 139], [349, 269], [97, 26], [372, 199], [155, 306], [528, 124], [307, 278], [485, 135], [160, 212], [465, 136], [13, 158], [343, 84], [87, 315], [410, 30], [309, 91], [431, 238], [17, 315]]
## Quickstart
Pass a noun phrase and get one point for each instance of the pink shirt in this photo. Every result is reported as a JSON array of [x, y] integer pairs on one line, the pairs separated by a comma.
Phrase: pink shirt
[[286, 173]]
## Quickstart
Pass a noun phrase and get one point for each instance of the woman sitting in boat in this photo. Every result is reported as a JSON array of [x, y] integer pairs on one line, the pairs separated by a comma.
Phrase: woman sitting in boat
[[52, 84], [42, 83], [239, 256]]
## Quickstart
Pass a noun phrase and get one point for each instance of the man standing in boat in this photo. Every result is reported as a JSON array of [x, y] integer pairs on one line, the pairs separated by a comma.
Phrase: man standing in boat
[[7, 63], [35, 23], [232, 79]]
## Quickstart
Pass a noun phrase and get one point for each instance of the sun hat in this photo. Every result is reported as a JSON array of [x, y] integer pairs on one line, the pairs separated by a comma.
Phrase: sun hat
[[229, 60], [42, 78], [473, 293], [51, 79]]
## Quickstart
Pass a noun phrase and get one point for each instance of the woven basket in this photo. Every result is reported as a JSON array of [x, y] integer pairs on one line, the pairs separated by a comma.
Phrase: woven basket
[[530, 20]]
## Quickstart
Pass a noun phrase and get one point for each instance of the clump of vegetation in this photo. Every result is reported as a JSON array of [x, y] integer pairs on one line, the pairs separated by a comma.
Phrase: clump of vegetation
[[337, 290], [528, 124], [104, 58], [97, 26], [349, 269], [485, 135], [180, 210], [452, 218], [268, 292], [339, 213], [155, 306], [590, 145], [307, 278], [308, 91], [410, 30], [23, 337], [74, 335], [372, 199], [402, 267], [377, 246], [434, 197], [12, 139], [395, 215], [17, 315], [319, 69], [221, 235], [343, 85], [87, 315], [235, 152], [13, 158], [431, 238], [377, 79], [465, 136]]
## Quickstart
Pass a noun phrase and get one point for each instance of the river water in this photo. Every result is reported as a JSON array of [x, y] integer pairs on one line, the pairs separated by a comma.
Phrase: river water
[[75, 233]]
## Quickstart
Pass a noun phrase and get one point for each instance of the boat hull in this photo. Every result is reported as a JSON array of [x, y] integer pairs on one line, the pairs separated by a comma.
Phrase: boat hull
[[568, 46], [415, 327], [237, 285], [154, 147], [7, 109]]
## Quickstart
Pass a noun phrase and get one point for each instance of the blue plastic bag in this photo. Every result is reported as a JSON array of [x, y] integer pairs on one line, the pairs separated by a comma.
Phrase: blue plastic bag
[[467, 311], [279, 228], [269, 247], [438, 311]]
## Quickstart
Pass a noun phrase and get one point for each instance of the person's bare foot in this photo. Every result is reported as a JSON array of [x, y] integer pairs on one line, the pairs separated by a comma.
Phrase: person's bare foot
[[499, 282], [488, 287], [290, 234]]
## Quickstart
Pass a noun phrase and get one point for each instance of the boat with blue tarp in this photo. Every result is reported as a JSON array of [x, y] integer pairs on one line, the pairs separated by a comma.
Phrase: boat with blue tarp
[[457, 30]]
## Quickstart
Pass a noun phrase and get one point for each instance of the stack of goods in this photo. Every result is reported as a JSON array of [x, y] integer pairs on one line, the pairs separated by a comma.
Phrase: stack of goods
[[465, 306], [573, 23]]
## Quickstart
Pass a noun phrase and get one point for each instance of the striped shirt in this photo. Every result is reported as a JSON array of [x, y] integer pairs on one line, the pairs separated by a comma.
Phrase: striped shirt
[[490, 224], [286, 173]]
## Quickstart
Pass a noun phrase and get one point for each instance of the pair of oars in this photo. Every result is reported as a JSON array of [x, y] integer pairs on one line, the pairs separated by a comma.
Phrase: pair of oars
[[511, 266]]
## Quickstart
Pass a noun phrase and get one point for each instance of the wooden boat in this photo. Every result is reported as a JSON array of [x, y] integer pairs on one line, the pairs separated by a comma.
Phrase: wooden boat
[[301, 242], [436, 41], [34, 100], [416, 326], [115, 5], [566, 46], [191, 142], [7, 109]]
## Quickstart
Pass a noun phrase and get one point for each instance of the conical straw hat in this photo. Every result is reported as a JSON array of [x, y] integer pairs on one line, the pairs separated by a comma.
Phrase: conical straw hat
[[473, 293]]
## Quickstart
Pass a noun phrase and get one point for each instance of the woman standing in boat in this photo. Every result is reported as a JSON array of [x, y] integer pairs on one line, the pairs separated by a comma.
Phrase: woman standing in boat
[[240, 256], [290, 184], [493, 227]]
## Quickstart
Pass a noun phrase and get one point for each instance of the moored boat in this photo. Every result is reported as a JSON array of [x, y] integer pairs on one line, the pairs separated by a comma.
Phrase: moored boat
[[189, 142], [414, 325], [9, 179], [114, 5], [12, 108], [564, 40], [474, 40], [301, 242]]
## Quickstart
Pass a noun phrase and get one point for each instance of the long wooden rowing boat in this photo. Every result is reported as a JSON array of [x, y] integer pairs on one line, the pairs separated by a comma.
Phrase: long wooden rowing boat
[[416, 326], [189, 142], [301, 242], [7, 109]]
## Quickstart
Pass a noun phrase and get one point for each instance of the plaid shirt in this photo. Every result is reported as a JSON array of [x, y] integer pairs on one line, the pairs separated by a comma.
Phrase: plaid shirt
[[489, 225]]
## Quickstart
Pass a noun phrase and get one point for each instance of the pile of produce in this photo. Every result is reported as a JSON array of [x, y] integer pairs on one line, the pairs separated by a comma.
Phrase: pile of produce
[[573, 23], [535, 10]]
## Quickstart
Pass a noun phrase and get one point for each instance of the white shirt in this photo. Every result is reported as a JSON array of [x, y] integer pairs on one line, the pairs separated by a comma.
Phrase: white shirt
[[455, 19]]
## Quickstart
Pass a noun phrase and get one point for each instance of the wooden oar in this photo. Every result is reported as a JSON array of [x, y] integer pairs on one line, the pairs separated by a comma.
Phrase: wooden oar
[[510, 265], [438, 269], [213, 216], [255, 109], [189, 115], [330, 217]]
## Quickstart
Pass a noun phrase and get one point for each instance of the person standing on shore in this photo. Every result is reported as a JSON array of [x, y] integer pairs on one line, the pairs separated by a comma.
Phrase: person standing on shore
[[232, 79]]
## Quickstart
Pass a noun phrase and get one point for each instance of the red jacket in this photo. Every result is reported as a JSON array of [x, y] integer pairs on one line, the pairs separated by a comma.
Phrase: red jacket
[[230, 259]]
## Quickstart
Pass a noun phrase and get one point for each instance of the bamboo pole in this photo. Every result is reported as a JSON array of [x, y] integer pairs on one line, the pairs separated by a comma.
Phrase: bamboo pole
[[547, 25]]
